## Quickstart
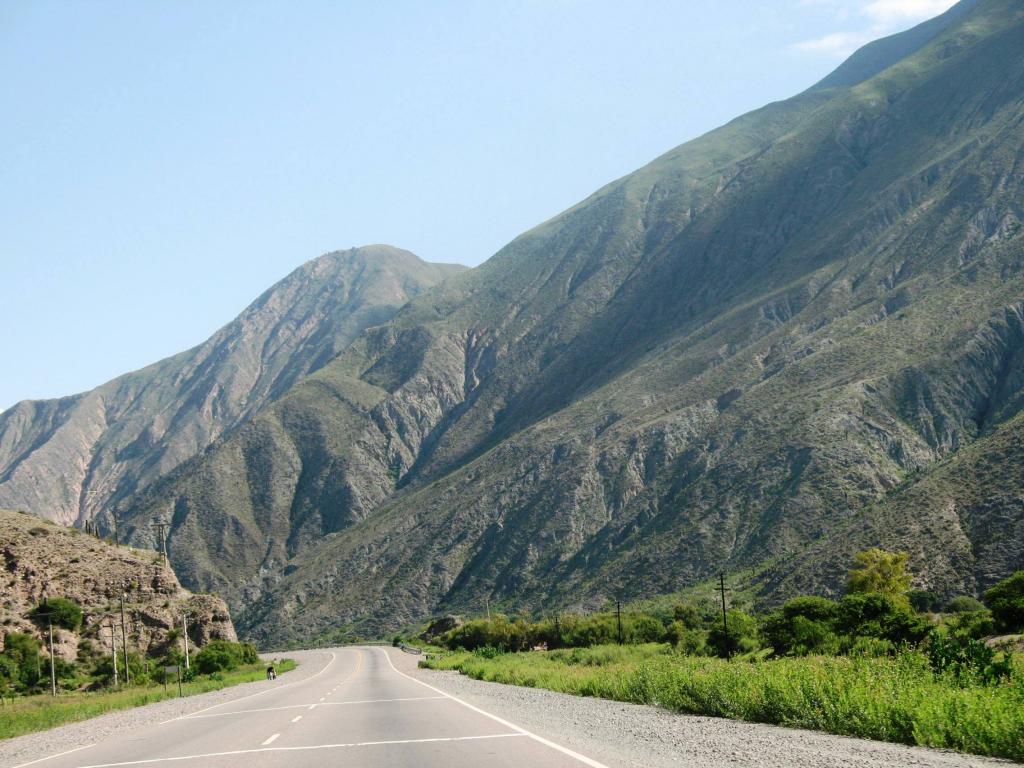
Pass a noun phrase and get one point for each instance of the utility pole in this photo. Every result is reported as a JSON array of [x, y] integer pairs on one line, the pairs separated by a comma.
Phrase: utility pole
[[124, 635], [487, 602], [113, 650], [53, 668], [618, 618], [725, 621], [184, 628], [161, 532]]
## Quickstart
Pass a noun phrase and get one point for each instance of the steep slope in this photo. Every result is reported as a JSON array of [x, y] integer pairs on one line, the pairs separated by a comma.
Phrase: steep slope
[[719, 361], [41, 559], [68, 458]]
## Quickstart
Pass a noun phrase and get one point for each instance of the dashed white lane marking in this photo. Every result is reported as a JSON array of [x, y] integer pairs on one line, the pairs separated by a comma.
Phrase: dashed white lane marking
[[302, 749], [296, 718], [312, 706], [270, 741], [50, 757], [522, 731], [258, 693]]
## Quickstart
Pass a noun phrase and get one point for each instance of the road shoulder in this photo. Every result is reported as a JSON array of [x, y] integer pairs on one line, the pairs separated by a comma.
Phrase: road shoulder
[[640, 736]]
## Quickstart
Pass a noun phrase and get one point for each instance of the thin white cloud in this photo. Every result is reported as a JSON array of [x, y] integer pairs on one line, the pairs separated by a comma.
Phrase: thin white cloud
[[835, 44], [891, 12], [871, 19]]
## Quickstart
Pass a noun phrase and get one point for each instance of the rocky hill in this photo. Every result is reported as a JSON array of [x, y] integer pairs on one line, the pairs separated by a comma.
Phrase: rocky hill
[[41, 559], [797, 335], [68, 458]]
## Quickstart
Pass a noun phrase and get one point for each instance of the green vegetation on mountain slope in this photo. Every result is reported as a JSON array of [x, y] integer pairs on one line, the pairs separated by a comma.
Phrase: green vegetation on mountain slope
[[738, 357]]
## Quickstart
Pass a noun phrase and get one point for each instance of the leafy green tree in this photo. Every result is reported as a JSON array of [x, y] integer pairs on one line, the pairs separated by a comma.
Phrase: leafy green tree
[[880, 572], [803, 626], [692, 642], [22, 651], [741, 637], [1006, 601], [59, 610], [882, 617], [923, 601], [689, 615]]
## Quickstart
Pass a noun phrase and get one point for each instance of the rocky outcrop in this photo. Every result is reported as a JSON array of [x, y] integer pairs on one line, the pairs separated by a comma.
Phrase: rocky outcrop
[[41, 559]]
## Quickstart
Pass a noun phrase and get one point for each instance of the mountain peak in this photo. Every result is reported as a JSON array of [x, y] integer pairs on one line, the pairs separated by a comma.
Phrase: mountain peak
[[879, 55]]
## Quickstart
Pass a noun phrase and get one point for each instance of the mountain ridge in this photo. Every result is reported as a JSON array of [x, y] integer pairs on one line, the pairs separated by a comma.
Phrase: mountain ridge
[[69, 457]]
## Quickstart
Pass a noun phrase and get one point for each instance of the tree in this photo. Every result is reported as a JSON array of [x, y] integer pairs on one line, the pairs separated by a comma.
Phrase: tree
[[880, 572], [1006, 601], [804, 625]]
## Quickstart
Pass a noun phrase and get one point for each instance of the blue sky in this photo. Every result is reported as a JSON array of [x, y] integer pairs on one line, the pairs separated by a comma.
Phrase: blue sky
[[164, 163]]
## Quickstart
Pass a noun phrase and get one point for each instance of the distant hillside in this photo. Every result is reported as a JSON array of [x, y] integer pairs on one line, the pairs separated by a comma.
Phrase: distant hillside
[[41, 559], [68, 458]]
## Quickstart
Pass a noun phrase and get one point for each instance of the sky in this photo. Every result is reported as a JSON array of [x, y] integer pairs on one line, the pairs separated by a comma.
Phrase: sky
[[164, 163]]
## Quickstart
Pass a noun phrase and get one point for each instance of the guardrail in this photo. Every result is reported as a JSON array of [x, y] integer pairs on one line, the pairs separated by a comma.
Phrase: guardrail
[[411, 649]]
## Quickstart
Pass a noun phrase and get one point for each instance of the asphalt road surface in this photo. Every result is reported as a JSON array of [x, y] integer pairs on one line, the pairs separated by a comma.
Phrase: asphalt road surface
[[357, 710]]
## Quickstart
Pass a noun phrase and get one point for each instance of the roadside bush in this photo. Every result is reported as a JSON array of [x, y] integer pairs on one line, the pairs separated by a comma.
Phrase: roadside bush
[[224, 656], [967, 661], [1006, 601], [22, 653], [972, 625]]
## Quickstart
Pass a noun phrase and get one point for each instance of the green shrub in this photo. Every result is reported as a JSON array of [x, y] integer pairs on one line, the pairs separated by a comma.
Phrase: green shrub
[[967, 661], [923, 601], [692, 642], [964, 604], [880, 616], [60, 611], [224, 656], [1006, 601], [742, 634], [22, 653], [803, 626]]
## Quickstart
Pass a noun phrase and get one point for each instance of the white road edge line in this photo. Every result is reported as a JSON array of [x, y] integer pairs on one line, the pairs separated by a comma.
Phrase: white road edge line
[[50, 757], [270, 741], [540, 739], [296, 718], [303, 749], [253, 695]]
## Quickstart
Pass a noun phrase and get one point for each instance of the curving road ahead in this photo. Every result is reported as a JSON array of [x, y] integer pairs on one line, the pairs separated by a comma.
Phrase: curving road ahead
[[357, 710]]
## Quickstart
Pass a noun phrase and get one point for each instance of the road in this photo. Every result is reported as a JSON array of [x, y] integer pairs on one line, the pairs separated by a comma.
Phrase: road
[[357, 710]]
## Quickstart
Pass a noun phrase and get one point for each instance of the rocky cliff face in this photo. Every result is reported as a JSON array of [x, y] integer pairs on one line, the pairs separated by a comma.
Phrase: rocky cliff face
[[67, 459], [42, 559]]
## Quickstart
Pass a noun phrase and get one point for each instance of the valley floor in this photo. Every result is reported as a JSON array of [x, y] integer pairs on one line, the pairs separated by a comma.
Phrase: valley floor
[[601, 733]]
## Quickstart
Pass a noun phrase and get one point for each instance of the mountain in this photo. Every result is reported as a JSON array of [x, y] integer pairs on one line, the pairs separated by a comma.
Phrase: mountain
[[44, 560], [798, 335], [66, 459]]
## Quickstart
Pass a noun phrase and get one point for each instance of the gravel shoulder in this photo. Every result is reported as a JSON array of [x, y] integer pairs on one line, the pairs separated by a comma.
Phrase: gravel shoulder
[[35, 746], [639, 736]]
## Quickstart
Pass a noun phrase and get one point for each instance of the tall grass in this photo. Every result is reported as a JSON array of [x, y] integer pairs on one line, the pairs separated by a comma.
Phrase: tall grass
[[889, 699], [37, 713]]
